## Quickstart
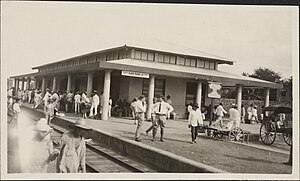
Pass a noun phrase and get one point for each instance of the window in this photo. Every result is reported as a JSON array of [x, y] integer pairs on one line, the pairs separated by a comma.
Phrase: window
[[151, 56], [137, 54], [91, 59], [212, 65], [76, 62], [187, 62], [200, 63], [206, 64], [180, 61], [167, 59], [193, 62], [173, 60], [115, 56], [159, 87], [144, 55], [160, 58]]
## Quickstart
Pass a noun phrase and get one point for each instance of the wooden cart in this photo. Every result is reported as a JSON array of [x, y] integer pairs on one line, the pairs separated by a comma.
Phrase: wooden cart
[[235, 134], [276, 121]]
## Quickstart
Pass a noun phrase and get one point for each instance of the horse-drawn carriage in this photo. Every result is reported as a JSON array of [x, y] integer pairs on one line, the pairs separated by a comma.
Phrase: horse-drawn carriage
[[276, 121]]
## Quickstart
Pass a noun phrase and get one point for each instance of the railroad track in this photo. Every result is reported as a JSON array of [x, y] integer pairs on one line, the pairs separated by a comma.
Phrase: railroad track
[[100, 159]]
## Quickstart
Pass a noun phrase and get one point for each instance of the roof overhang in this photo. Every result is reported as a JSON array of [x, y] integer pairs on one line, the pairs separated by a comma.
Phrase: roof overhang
[[163, 48], [31, 75], [227, 79]]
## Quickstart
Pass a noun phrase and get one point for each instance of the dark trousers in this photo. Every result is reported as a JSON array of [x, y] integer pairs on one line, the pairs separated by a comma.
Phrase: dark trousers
[[194, 131]]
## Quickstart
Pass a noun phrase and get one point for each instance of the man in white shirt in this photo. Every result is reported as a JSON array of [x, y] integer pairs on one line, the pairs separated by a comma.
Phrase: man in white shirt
[[46, 98], [162, 109], [220, 114], [234, 117], [249, 111], [29, 95], [195, 120], [77, 98], [140, 109], [95, 103], [55, 99]]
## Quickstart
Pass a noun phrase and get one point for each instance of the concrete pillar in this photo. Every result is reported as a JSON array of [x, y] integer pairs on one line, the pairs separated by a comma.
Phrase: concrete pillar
[[89, 84], [54, 84], [28, 82], [150, 96], [69, 83], [199, 94], [58, 84], [43, 86], [23, 84], [106, 89], [16, 86], [267, 97], [239, 88]]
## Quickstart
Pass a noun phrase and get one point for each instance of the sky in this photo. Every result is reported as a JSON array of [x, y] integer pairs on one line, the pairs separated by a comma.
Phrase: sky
[[36, 33]]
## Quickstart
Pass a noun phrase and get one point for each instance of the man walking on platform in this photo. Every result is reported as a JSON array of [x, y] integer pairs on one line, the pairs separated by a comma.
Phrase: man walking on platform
[[220, 114], [140, 109], [162, 110], [234, 117], [195, 120]]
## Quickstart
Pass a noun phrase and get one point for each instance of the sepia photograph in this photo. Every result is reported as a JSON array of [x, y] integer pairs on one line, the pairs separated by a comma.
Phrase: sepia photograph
[[111, 90]]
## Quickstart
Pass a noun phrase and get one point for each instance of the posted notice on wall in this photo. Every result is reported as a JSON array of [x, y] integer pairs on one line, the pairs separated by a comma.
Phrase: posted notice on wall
[[214, 90], [135, 74]]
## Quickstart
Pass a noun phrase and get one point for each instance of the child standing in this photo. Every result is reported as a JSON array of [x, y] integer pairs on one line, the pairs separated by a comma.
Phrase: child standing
[[195, 120]]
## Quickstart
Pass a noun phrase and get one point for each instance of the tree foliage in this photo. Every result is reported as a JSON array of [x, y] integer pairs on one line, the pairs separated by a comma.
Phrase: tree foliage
[[265, 74]]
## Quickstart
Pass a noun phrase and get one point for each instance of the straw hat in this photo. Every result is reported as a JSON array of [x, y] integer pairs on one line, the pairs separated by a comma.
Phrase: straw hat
[[80, 123], [42, 125]]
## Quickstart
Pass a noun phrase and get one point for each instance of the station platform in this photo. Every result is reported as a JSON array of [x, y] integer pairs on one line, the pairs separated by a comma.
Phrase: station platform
[[253, 157]]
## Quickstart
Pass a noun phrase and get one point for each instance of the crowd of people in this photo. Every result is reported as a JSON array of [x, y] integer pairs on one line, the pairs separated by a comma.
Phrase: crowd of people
[[70, 152], [236, 117]]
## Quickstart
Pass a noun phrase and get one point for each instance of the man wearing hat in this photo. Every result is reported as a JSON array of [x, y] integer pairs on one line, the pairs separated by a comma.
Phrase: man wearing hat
[[41, 150], [234, 117], [220, 111], [195, 120], [95, 103], [72, 149], [162, 109], [140, 109]]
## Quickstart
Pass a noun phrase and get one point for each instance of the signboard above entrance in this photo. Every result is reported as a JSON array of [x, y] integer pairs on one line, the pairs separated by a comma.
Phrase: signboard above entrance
[[214, 90], [135, 74]]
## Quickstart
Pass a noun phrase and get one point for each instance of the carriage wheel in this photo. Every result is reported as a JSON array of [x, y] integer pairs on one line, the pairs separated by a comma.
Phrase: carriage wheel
[[268, 133], [236, 134], [217, 136], [287, 138]]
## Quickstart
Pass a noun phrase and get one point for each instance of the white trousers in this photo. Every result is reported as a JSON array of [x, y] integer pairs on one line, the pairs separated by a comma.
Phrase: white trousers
[[77, 107], [93, 107]]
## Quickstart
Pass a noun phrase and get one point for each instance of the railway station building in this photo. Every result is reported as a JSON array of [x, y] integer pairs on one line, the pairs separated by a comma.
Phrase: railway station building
[[128, 71]]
